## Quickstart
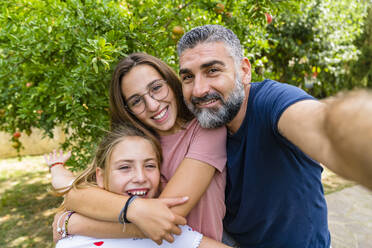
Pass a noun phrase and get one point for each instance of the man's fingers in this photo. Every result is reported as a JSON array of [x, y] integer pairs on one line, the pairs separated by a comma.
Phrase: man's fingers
[[171, 202]]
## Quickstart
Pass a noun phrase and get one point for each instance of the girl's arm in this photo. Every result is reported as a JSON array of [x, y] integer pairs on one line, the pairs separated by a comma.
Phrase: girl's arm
[[205, 154], [106, 206], [79, 224], [156, 220], [61, 177], [198, 175]]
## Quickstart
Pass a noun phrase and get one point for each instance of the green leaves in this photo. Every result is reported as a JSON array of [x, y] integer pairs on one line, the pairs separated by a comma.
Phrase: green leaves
[[320, 36], [65, 51]]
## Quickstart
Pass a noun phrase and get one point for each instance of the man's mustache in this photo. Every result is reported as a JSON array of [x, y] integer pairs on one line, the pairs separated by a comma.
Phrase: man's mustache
[[208, 97]]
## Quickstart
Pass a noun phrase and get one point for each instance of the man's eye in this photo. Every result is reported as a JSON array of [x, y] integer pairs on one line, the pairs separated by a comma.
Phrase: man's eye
[[186, 78], [213, 70]]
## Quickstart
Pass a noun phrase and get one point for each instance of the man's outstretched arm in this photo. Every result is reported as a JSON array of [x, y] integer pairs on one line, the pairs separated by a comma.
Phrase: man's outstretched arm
[[336, 132]]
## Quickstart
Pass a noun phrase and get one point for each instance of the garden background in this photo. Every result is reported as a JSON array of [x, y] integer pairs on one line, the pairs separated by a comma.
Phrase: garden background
[[56, 60]]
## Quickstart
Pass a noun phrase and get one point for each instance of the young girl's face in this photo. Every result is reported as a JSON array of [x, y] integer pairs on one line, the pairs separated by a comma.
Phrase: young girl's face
[[133, 168], [158, 114]]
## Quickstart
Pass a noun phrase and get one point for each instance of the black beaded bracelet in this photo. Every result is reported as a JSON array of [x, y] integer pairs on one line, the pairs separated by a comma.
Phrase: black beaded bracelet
[[123, 213]]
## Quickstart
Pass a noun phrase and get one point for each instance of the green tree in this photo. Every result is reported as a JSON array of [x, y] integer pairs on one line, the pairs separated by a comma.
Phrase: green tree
[[56, 57], [361, 69], [312, 49]]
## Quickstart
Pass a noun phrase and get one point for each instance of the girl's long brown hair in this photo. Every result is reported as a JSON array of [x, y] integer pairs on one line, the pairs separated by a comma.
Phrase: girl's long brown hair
[[118, 110]]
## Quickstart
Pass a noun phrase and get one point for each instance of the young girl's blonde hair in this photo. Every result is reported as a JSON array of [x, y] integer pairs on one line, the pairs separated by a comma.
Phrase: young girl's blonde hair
[[102, 157]]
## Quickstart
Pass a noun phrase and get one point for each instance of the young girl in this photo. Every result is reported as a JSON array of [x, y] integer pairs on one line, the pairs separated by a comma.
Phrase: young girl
[[147, 93], [126, 163]]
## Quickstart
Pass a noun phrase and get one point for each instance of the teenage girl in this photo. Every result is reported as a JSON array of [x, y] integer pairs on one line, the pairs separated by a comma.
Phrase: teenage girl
[[126, 163]]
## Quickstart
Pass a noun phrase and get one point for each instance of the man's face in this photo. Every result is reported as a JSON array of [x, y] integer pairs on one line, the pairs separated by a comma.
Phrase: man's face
[[211, 84]]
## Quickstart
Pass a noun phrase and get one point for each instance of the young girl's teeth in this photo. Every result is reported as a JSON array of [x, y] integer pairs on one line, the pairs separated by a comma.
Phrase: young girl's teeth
[[139, 193], [161, 115]]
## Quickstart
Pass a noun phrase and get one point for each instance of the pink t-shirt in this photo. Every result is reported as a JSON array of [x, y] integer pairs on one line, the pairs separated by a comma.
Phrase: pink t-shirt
[[208, 146]]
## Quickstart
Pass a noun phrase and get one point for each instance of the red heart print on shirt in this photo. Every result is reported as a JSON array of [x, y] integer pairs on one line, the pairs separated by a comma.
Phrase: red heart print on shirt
[[98, 243]]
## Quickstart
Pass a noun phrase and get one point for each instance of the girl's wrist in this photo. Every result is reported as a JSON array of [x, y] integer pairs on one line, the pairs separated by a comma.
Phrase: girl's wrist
[[56, 164], [123, 218], [73, 224], [62, 223], [132, 210]]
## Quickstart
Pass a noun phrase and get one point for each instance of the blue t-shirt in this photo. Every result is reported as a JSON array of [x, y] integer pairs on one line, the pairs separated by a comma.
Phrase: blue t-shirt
[[274, 195]]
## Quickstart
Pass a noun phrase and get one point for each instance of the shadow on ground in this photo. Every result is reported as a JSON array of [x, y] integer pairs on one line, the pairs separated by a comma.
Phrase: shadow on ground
[[26, 209]]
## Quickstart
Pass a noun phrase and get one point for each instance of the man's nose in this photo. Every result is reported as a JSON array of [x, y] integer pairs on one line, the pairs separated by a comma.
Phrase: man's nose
[[200, 87]]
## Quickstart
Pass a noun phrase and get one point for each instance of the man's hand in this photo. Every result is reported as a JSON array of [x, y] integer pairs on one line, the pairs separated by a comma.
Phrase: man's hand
[[348, 125], [154, 218], [336, 132]]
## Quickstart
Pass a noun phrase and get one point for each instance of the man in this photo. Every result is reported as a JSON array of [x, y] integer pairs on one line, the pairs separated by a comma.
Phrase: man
[[278, 135]]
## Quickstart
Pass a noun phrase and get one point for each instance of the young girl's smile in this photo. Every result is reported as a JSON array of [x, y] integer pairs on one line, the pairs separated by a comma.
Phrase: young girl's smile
[[133, 168]]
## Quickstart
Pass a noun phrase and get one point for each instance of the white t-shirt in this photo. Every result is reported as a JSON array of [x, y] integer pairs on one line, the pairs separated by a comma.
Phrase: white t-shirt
[[188, 238]]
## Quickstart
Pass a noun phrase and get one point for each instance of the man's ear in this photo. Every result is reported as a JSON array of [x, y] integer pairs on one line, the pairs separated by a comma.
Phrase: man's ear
[[100, 177], [245, 67]]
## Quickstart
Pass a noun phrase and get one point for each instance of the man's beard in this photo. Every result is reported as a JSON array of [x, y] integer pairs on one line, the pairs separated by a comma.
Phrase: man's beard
[[218, 116]]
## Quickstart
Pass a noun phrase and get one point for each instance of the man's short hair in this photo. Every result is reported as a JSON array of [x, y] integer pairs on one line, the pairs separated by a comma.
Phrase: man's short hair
[[212, 33]]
